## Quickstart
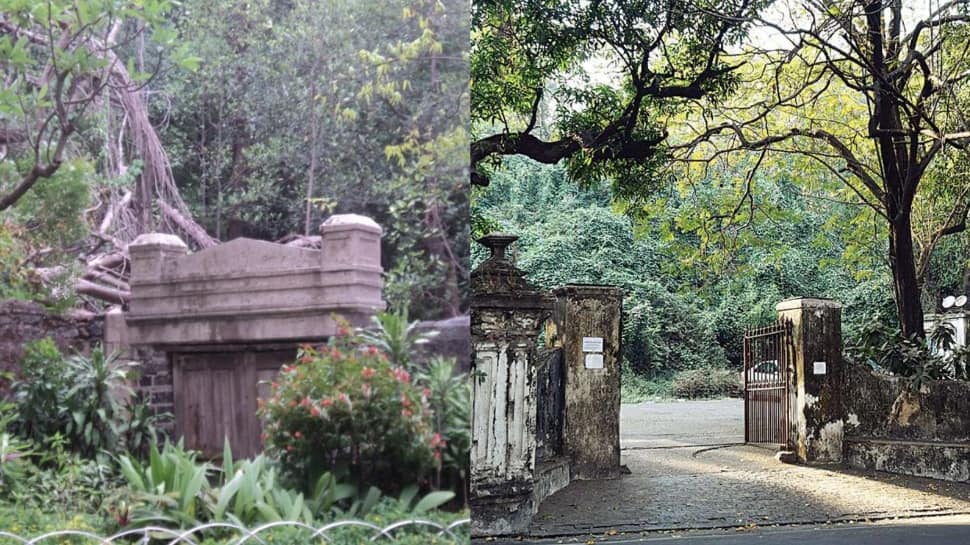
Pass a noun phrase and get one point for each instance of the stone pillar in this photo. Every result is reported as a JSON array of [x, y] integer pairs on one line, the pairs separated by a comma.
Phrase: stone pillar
[[350, 240], [817, 339], [588, 324], [507, 316]]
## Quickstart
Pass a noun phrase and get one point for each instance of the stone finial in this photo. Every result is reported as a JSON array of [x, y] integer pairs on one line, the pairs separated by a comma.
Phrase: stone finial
[[497, 243]]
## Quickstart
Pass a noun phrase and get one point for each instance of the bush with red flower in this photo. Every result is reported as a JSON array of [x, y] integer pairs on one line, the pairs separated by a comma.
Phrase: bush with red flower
[[346, 409]]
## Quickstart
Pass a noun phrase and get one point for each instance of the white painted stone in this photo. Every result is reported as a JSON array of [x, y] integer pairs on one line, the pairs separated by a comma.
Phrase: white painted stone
[[158, 239]]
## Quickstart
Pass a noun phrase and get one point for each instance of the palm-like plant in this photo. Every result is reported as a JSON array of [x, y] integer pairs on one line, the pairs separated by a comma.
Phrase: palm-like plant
[[394, 335]]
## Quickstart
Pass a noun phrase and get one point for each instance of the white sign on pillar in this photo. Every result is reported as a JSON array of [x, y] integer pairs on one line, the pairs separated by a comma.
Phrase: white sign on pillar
[[594, 361], [592, 344]]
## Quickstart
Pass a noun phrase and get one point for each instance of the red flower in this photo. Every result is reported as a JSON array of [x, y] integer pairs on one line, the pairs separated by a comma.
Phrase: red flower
[[299, 435], [327, 402], [305, 402], [289, 448], [367, 372], [314, 411], [406, 413], [401, 375]]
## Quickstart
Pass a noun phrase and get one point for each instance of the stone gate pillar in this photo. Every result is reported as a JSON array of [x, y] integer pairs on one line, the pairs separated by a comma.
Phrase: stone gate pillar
[[588, 324], [507, 314], [817, 338]]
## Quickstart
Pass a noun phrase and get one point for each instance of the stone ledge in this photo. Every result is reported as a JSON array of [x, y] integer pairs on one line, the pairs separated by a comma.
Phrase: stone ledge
[[806, 302], [936, 460], [551, 477]]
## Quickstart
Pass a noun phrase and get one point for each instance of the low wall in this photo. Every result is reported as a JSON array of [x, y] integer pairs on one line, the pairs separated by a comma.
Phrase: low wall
[[22, 322], [890, 427], [452, 341]]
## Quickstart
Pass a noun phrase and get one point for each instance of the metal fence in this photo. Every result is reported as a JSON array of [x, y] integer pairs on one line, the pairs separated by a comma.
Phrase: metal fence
[[233, 534]]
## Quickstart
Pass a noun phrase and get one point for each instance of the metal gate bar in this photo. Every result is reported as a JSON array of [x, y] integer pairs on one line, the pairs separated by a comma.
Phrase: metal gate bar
[[768, 379]]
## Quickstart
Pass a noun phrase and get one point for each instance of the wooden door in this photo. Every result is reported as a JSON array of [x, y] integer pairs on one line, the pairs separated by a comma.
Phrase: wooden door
[[216, 398]]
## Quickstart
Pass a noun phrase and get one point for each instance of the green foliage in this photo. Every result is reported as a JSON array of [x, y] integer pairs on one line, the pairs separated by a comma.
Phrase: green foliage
[[175, 488], [395, 336], [167, 490], [449, 397], [14, 452], [372, 94], [707, 383], [636, 388], [918, 360], [85, 399], [53, 212], [538, 68], [346, 409], [30, 520], [692, 287]]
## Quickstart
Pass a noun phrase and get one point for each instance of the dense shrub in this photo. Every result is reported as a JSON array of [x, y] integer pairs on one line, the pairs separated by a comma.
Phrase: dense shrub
[[345, 409], [86, 400], [707, 383], [449, 396], [663, 333]]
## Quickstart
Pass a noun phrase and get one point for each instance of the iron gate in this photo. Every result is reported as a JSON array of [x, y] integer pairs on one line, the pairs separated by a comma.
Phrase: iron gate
[[768, 385]]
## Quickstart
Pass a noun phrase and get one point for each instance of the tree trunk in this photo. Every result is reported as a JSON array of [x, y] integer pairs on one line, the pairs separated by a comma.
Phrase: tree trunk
[[905, 284]]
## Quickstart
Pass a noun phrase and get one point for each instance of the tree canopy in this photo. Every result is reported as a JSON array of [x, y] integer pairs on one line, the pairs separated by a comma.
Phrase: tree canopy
[[213, 120], [864, 102]]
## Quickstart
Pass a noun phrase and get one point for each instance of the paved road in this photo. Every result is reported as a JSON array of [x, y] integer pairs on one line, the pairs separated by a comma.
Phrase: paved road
[[680, 423], [688, 471], [942, 530]]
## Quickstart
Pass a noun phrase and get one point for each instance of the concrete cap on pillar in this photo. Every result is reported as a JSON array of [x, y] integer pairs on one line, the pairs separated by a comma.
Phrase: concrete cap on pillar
[[806, 302], [158, 239], [339, 222]]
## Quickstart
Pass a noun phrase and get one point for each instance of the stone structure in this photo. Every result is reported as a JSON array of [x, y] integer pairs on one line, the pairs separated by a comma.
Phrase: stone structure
[[587, 324], [819, 413], [538, 412], [507, 316], [212, 328], [890, 426], [22, 322], [250, 290], [450, 341]]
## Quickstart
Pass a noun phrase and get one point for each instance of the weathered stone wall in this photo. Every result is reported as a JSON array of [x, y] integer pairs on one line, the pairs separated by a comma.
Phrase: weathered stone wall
[[819, 412], [155, 382], [591, 417], [880, 406], [550, 400], [22, 322], [890, 427]]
